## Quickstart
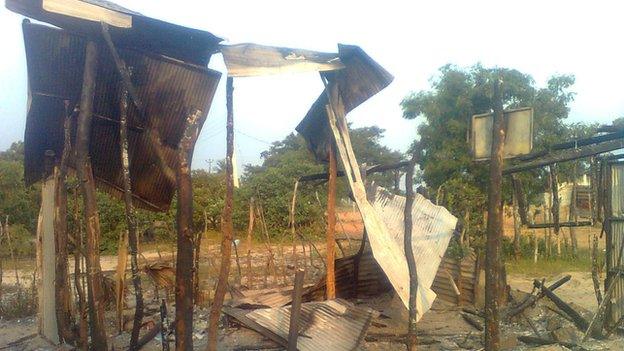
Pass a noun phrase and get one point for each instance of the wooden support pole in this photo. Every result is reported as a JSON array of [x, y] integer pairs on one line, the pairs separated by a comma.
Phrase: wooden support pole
[[295, 311], [46, 253], [87, 184], [494, 225], [63, 296], [250, 227], [573, 214], [331, 223], [131, 221], [554, 188], [226, 224], [184, 215], [409, 256], [79, 257], [292, 226]]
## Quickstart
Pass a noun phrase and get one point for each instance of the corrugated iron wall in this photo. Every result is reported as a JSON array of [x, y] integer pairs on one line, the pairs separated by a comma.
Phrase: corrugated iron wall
[[464, 274], [615, 237]]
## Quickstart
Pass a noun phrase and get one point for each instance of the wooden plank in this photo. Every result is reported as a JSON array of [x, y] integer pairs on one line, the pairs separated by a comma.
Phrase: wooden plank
[[295, 311]]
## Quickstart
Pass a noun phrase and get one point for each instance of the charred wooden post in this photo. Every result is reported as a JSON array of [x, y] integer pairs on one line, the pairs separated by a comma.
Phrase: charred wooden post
[[573, 215], [532, 299], [521, 196], [554, 188], [63, 297], [164, 321], [249, 243], [578, 320], [517, 226], [331, 223], [292, 226], [87, 183], [409, 256], [295, 311], [227, 225], [131, 221], [494, 225], [79, 257], [184, 216]]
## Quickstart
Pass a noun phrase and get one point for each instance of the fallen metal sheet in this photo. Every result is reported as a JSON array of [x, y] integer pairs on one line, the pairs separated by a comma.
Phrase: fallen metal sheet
[[457, 276], [169, 89], [248, 60], [433, 227], [361, 78], [334, 325]]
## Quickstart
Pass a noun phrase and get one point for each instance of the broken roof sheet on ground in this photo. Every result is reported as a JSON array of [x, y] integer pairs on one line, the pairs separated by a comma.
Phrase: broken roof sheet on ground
[[329, 325], [169, 89]]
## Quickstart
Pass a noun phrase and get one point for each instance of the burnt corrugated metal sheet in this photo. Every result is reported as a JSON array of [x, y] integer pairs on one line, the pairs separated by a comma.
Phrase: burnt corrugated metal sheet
[[330, 325], [169, 90], [146, 34], [361, 78], [463, 272]]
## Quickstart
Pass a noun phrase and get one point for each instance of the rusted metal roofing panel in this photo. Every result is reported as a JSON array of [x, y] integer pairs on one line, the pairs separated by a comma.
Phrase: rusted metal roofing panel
[[330, 325], [361, 78], [247, 60], [169, 89], [433, 227], [463, 273], [146, 34]]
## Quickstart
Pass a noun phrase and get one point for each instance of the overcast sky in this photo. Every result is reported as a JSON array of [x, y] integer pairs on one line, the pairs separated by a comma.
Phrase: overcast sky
[[411, 39]]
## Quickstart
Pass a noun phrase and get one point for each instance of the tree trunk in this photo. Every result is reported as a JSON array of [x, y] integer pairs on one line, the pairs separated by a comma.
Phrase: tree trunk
[[227, 225], [494, 226], [92, 219], [131, 221], [184, 215]]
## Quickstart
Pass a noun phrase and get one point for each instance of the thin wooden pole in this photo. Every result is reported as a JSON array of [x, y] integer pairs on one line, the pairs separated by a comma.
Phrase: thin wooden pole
[[573, 214], [131, 221], [184, 215], [554, 186], [292, 226], [63, 296], [409, 256], [78, 253], [226, 224], [92, 219], [331, 223], [250, 227], [295, 311], [494, 225]]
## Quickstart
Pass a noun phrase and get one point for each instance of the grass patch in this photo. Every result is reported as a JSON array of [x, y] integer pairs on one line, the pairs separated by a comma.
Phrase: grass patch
[[551, 266]]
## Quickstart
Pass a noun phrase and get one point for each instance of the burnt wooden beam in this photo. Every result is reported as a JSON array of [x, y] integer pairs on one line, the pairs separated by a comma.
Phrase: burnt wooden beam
[[409, 256], [521, 196], [131, 221], [373, 169], [62, 295], [578, 320], [123, 70], [567, 155], [87, 184], [573, 144], [227, 226], [494, 224], [554, 188], [184, 219], [532, 299], [561, 225]]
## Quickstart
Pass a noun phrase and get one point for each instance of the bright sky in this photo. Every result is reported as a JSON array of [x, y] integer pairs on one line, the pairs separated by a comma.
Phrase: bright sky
[[411, 39]]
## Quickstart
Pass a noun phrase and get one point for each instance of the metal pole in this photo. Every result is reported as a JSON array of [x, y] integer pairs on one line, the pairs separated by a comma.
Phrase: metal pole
[[494, 225]]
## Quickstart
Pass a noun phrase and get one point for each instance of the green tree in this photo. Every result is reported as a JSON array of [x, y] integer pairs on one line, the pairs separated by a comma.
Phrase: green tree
[[444, 115]]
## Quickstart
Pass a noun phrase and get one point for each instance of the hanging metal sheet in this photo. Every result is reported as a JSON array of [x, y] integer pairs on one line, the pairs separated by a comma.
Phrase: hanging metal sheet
[[432, 229], [248, 60], [615, 238]]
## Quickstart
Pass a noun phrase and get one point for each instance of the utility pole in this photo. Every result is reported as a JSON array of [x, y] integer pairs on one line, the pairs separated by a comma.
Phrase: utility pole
[[209, 165], [494, 222]]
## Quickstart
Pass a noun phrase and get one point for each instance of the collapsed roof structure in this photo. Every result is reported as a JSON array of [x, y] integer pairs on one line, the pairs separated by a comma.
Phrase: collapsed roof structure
[[163, 68]]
